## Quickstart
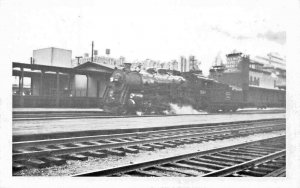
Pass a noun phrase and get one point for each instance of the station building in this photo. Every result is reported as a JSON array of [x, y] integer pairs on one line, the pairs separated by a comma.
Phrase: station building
[[51, 81], [261, 80]]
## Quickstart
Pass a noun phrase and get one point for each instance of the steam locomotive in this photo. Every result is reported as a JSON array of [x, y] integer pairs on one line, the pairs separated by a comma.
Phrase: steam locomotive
[[152, 92]]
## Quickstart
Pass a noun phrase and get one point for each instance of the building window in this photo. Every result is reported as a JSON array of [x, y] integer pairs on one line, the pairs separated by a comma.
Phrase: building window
[[254, 81]]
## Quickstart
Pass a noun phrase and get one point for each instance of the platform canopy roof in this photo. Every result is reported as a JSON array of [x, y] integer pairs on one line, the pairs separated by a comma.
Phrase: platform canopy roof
[[84, 69], [95, 67]]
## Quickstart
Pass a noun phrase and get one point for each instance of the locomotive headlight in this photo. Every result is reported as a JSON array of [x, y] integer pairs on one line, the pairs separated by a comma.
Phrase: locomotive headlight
[[114, 79]]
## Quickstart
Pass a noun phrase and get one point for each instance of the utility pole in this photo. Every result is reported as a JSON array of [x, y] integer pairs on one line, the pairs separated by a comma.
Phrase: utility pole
[[193, 64], [78, 58], [92, 51]]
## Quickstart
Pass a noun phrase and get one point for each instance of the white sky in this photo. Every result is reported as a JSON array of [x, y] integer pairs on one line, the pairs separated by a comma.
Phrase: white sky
[[140, 29]]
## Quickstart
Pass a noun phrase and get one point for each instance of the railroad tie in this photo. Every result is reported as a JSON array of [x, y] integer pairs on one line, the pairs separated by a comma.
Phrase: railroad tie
[[128, 150], [196, 140], [113, 152], [54, 160], [156, 145], [191, 140], [193, 167], [205, 164], [176, 170], [252, 173], [143, 147], [142, 173], [277, 173], [95, 154], [218, 162], [18, 166], [36, 163], [177, 142], [75, 157], [173, 142], [168, 144], [262, 168]]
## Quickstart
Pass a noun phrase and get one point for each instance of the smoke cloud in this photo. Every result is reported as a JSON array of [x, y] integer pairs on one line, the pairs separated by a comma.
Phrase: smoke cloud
[[279, 37], [176, 109]]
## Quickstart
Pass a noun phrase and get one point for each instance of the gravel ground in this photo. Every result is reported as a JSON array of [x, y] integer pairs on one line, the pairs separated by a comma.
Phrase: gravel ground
[[74, 167]]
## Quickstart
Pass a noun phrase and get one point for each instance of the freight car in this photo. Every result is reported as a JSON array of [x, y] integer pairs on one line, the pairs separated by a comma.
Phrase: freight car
[[152, 92]]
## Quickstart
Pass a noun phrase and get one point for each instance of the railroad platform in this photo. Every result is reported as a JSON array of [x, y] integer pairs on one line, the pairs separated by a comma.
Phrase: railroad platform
[[45, 110], [44, 129]]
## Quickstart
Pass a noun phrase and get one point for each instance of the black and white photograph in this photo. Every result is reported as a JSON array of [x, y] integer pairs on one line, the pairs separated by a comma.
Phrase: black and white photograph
[[149, 93]]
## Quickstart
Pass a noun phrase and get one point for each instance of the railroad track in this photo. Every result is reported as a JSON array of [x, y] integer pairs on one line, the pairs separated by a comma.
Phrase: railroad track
[[56, 115], [53, 115], [265, 157], [43, 153], [81, 115]]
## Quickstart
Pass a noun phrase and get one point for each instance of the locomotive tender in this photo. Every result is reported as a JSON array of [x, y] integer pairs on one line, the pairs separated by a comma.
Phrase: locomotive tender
[[152, 92]]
